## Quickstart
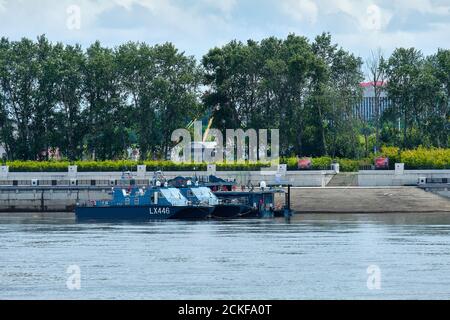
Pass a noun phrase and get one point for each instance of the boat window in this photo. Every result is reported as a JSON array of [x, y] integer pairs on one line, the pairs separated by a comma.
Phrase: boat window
[[174, 196], [204, 194]]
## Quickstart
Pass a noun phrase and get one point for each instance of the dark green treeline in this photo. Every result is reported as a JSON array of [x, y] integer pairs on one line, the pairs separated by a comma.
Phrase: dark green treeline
[[104, 100]]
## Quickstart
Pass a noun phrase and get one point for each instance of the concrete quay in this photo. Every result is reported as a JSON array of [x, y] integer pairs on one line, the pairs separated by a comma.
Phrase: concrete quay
[[303, 199], [325, 191]]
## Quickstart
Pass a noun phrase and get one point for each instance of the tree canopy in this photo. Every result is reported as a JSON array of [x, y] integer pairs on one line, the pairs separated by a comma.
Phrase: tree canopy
[[98, 102]]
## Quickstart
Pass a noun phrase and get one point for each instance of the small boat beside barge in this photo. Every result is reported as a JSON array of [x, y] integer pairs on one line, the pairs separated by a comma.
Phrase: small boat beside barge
[[272, 201], [203, 195]]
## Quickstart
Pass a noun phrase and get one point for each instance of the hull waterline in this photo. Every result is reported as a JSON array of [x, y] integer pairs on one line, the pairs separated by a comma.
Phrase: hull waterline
[[142, 213]]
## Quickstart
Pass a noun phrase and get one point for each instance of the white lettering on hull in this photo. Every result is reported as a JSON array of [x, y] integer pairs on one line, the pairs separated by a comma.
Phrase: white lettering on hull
[[154, 211]]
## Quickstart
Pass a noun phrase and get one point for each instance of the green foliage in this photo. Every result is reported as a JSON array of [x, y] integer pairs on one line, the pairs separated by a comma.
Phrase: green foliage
[[124, 165], [420, 158], [321, 163], [324, 163], [306, 89], [419, 88], [393, 153], [37, 166], [349, 165], [97, 103]]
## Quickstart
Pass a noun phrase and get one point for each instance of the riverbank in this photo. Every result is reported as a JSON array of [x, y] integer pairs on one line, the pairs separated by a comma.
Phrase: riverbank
[[303, 200], [367, 200]]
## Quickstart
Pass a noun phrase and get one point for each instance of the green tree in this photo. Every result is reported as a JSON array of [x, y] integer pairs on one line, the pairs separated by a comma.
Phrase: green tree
[[69, 121], [403, 69], [105, 113], [436, 88], [137, 72], [18, 81]]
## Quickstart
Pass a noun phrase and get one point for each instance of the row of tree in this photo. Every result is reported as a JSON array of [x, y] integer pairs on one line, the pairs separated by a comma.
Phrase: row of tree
[[100, 101], [419, 89]]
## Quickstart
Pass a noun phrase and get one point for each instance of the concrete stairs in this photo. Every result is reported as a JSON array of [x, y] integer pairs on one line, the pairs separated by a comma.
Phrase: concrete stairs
[[344, 179]]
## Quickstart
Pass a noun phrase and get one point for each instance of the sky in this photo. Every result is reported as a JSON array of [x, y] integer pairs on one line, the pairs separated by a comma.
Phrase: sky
[[195, 26]]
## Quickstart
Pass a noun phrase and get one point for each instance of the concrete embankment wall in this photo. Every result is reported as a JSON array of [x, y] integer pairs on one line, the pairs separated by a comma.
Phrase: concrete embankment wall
[[392, 178], [56, 193], [297, 178], [46, 199]]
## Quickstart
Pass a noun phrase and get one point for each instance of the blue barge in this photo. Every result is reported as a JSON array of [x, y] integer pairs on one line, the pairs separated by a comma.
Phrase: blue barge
[[152, 203]]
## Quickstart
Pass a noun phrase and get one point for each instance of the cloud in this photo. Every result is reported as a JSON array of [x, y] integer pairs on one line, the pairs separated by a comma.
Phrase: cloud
[[2, 5], [368, 15], [423, 6], [225, 6], [197, 25], [301, 10]]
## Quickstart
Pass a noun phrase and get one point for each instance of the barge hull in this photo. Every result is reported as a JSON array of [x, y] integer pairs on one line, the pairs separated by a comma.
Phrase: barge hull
[[141, 213]]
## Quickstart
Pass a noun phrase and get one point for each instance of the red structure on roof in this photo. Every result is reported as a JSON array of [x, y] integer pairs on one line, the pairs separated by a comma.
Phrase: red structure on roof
[[370, 84]]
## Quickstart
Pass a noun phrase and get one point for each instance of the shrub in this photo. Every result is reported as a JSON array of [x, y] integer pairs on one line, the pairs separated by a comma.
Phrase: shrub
[[36, 166], [392, 153], [321, 163], [349, 165], [420, 158]]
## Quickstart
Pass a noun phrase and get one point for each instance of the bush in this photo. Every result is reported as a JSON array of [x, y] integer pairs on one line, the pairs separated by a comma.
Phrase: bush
[[37, 166], [392, 153], [322, 163], [292, 163], [420, 158], [125, 165], [348, 165]]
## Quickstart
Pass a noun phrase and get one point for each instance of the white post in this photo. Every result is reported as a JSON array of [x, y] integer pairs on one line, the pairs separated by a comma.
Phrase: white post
[[211, 169], [141, 170], [399, 168], [72, 171], [282, 168], [4, 170], [323, 179], [336, 167]]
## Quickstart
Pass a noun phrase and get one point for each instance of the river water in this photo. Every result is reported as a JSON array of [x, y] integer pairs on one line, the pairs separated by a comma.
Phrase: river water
[[383, 256]]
